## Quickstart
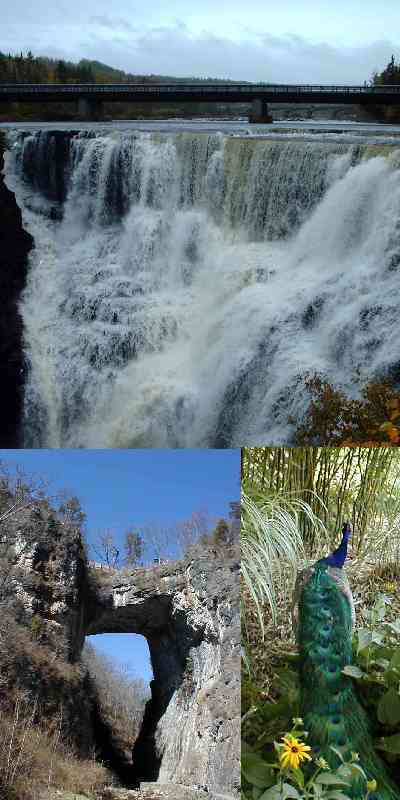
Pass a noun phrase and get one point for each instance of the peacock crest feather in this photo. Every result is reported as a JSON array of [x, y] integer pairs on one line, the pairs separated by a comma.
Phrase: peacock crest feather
[[331, 710]]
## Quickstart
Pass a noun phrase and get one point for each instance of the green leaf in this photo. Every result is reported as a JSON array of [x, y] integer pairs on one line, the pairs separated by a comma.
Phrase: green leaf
[[394, 626], [356, 768], [299, 777], [256, 770], [337, 752], [395, 660], [365, 638], [329, 779], [382, 662], [344, 771], [390, 744], [353, 671], [337, 796], [275, 793], [389, 708]]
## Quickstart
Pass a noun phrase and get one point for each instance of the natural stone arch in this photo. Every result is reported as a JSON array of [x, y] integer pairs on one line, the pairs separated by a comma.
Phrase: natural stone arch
[[189, 613]]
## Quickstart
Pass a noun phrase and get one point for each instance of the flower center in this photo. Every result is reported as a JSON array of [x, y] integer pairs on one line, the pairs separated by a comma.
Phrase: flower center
[[294, 749]]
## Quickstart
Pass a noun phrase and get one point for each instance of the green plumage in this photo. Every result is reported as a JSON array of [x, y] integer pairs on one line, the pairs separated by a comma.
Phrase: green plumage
[[330, 708]]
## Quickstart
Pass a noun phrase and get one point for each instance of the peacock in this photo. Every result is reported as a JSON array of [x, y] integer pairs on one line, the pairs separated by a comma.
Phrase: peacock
[[333, 716]]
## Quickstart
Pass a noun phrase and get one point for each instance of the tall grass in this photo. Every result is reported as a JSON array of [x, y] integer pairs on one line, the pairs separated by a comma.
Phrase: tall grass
[[360, 485], [294, 503], [272, 546]]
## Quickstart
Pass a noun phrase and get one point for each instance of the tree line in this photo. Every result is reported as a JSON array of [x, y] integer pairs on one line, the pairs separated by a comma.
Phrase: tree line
[[27, 68], [160, 541], [20, 68], [389, 76]]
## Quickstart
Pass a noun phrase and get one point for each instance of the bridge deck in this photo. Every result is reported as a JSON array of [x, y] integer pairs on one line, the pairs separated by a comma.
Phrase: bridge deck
[[229, 92]]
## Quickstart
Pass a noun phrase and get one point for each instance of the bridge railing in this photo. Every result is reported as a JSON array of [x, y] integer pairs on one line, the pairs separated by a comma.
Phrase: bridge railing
[[256, 89]]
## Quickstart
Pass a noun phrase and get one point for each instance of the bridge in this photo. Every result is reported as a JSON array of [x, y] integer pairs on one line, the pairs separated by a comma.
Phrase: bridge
[[90, 97]]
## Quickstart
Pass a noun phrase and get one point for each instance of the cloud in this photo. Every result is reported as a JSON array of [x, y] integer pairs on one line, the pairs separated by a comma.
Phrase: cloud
[[176, 50], [112, 23]]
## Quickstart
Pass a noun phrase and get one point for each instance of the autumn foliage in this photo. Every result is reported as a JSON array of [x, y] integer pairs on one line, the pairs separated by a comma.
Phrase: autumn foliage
[[336, 420]]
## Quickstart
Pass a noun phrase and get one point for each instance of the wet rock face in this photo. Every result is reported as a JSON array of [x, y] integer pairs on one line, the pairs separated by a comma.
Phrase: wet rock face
[[15, 245], [189, 613]]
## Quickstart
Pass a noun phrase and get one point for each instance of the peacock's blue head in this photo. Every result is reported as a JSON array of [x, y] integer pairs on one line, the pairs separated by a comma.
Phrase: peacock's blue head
[[338, 557], [346, 531]]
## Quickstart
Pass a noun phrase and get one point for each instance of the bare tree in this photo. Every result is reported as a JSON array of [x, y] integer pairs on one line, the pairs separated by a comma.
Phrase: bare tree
[[193, 529], [70, 509], [106, 549], [122, 696], [173, 540]]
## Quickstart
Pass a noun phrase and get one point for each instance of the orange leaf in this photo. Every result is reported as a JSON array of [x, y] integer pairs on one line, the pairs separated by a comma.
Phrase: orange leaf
[[394, 434]]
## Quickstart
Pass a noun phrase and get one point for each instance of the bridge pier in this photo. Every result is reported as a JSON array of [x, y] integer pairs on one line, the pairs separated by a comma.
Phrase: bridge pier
[[260, 112], [90, 108]]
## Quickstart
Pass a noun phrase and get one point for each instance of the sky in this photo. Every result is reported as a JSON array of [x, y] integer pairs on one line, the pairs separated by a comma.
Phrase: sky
[[121, 488], [294, 41]]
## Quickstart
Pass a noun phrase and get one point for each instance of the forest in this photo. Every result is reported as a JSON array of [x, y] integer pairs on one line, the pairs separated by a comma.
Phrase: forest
[[295, 505], [28, 68]]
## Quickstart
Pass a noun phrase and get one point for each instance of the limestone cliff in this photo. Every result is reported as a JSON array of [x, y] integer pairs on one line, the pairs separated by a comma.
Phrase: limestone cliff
[[189, 612]]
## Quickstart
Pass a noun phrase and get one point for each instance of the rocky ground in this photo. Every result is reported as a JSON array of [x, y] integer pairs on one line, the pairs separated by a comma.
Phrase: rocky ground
[[146, 792]]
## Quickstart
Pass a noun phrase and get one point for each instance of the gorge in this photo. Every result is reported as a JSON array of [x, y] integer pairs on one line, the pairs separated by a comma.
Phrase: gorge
[[189, 613]]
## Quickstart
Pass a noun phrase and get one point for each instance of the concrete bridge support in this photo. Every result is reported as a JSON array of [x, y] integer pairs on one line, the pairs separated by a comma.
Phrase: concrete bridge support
[[90, 109], [260, 112]]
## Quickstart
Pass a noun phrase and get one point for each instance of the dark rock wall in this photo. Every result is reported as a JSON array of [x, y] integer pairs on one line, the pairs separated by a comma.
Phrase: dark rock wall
[[15, 245]]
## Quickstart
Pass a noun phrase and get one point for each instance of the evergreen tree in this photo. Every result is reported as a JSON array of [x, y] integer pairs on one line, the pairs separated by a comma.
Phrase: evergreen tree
[[133, 547], [61, 72], [222, 533]]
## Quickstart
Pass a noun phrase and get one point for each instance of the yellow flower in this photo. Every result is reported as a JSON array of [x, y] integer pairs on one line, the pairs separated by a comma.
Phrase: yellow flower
[[293, 752], [320, 762], [372, 786]]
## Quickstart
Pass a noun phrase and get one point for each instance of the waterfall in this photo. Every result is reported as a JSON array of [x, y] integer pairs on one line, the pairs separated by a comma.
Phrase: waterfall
[[182, 285]]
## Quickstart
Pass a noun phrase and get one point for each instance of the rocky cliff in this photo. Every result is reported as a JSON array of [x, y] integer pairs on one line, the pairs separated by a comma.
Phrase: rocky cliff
[[15, 244], [189, 613]]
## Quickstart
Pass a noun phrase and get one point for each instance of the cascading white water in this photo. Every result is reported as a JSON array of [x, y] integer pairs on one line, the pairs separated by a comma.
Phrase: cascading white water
[[183, 284]]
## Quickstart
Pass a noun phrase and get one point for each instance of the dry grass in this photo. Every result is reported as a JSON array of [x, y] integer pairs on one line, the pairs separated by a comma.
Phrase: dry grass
[[33, 758]]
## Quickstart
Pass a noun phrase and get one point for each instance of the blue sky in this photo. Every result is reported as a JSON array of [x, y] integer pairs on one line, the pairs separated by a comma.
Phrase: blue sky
[[290, 41], [120, 488]]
